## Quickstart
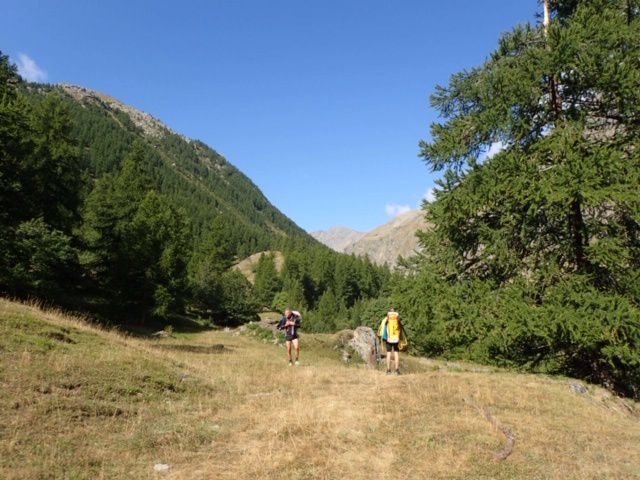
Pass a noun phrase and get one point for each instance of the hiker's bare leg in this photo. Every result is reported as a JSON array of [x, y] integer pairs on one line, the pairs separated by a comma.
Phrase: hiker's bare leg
[[296, 345], [388, 361], [289, 349], [397, 359]]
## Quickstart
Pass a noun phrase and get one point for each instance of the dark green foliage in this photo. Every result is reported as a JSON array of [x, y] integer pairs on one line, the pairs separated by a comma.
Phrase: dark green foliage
[[224, 296], [329, 288], [136, 239], [40, 185], [325, 317], [42, 260], [100, 210], [218, 245], [238, 302], [534, 259], [54, 174], [160, 236], [267, 281], [574, 330]]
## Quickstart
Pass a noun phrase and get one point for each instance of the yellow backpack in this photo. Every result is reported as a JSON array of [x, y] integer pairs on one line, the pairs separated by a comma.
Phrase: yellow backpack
[[393, 327]]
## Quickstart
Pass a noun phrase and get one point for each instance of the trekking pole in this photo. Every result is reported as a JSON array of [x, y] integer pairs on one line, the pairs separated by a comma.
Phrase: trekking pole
[[376, 352]]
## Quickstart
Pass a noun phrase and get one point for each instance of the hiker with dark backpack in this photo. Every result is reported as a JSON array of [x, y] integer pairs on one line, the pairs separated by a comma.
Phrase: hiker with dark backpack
[[391, 333], [290, 322]]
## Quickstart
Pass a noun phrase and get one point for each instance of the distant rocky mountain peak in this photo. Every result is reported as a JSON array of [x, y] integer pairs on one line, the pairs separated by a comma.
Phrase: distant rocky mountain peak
[[338, 238], [383, 244]]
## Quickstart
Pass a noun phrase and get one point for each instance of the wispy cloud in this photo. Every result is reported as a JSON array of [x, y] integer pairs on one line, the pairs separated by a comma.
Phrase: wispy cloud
[[29, 69], [429, 195], [393, 209]]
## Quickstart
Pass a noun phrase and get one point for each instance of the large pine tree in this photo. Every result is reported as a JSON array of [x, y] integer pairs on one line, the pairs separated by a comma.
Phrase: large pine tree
[[552, 219]]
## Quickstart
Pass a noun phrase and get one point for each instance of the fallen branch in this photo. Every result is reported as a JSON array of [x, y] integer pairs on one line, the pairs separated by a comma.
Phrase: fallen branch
[[509, 435]]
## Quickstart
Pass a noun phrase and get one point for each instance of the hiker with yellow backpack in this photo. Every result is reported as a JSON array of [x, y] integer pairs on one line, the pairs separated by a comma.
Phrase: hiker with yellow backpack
[[392, 334]]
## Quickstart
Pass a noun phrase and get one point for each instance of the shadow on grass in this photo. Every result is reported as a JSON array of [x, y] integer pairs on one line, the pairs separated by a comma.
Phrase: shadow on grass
[[208, 349], [130, 319]]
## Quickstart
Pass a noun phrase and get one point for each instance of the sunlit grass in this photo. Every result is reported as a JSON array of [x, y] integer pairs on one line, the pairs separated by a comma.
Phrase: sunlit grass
[[79, 402]]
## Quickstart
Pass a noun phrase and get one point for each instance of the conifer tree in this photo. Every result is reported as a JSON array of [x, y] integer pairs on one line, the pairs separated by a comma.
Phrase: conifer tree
[[40, 185], [267, 282], [536, 249], [561, 196]]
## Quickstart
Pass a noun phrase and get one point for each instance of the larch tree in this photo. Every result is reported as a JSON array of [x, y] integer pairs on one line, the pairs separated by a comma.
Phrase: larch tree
[[536, 248]]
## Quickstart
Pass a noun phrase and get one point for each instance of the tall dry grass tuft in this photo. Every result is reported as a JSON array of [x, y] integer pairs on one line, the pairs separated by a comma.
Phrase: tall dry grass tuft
[[96, 404]]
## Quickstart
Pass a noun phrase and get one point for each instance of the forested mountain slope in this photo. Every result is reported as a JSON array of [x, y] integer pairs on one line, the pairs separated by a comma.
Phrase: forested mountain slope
[[188, 171], [105, 209]]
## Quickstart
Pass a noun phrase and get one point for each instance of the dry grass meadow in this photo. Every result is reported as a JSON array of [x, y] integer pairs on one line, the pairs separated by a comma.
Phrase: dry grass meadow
[[80, 402]]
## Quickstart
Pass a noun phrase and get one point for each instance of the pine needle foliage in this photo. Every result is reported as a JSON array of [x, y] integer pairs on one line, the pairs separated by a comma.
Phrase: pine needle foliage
[[534, 259]]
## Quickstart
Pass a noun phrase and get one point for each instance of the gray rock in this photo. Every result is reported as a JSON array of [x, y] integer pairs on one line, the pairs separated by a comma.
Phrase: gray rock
[[365, 342], [578, 388]]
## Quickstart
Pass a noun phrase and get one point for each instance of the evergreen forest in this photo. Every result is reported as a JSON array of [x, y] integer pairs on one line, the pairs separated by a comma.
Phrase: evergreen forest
[[144, 227]]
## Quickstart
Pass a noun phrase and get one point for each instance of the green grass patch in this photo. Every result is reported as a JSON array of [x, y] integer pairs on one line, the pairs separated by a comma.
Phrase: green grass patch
[[262, 333], [73, 401]]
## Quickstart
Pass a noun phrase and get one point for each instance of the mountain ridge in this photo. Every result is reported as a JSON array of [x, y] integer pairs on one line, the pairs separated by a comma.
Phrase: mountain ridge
[[384, 243], [194, 175], [338, 238]]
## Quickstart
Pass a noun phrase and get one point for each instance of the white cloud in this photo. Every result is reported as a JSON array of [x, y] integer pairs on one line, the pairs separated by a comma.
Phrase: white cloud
[[429, 195], [494, 149], [29, 69], [393, 209]]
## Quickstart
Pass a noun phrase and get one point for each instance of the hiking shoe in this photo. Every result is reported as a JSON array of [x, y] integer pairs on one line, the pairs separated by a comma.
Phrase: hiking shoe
[[397, 372], [388, 372], [290, 363], [297, 362]]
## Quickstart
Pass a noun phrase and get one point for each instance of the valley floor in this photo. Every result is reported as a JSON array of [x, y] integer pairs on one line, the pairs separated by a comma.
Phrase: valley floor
[[79, 402]]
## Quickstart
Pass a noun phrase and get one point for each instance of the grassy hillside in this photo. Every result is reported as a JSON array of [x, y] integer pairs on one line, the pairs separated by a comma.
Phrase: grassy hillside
[[79, 402], [248, 266]]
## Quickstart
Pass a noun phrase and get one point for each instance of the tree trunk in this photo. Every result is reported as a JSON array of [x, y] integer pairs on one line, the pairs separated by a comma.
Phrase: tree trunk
[[547, 17], [553, 91]]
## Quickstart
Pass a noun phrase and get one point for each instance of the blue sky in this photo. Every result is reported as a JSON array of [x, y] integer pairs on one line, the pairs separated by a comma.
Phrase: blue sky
[[321, 103]]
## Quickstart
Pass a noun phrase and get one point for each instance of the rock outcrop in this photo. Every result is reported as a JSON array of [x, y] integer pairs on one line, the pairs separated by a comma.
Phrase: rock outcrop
[[150, 125]]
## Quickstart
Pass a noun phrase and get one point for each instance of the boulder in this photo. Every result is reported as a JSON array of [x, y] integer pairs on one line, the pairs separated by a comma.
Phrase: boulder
[[365, 342]]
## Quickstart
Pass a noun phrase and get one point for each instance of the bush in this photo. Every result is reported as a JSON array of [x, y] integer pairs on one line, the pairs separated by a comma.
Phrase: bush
[[570, 329]]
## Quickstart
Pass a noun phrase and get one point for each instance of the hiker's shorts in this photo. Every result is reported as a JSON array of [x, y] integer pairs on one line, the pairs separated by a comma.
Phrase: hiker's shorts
[[289, 338], [392, 347]]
